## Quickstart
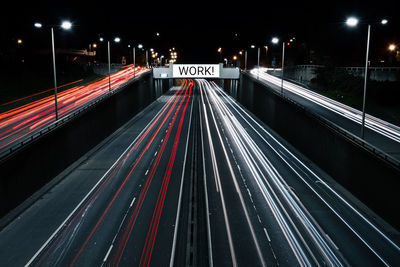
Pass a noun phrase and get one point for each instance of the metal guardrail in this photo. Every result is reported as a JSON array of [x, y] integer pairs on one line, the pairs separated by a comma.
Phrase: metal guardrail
[[9, 151], [333, 126]]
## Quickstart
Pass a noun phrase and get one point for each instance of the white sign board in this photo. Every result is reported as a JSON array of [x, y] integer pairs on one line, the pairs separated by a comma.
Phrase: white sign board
[[195, 70]]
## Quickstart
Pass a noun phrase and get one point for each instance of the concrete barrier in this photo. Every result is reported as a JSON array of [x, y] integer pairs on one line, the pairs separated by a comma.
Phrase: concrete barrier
[[370, 178], [25, 172]]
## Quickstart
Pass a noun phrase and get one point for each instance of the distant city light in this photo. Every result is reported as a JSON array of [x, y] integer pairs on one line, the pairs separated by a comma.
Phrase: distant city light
[[66, 25], [352, 21], [392, 47], [219, 50], [234, 57], [38, 25], [117, 39], [140, 46], [94, 45], [101, 39], [129, 46], [384, 21], [275, 40], [253, 46], [19, 41], [158, 34]]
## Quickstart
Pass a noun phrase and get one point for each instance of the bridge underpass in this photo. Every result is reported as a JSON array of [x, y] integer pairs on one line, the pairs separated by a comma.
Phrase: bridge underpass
[[196, 179]]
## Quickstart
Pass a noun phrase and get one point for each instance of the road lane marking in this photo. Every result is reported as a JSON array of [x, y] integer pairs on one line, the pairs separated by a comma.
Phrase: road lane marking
[[266, 233], [171, 262], [210, 255], [64, 223], [233, 104], [108, 253]]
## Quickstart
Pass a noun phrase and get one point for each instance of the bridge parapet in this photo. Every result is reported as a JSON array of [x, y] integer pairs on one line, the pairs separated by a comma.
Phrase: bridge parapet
[[214, 71]]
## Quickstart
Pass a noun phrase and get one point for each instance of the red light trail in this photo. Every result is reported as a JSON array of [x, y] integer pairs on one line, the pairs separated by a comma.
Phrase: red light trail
[[18, 123]]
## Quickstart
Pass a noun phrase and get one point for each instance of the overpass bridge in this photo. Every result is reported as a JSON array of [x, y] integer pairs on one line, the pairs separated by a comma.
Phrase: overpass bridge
[[195, 178]]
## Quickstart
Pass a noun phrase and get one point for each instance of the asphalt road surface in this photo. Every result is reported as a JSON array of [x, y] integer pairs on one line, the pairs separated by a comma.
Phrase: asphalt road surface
[[196, 180]]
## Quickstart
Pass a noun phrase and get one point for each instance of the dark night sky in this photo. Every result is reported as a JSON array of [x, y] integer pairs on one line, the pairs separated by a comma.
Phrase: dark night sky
[[197, 28]]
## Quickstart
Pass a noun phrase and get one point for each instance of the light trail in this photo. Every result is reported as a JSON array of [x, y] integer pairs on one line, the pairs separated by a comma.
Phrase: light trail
[[342, 209], [66, 229], [20, 122], [382, 127]]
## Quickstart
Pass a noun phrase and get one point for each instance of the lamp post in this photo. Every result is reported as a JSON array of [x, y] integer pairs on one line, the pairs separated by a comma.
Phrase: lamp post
[[283, 65], [245, 60], [147, 58], [245, 57], [275, 40], [219, 50], [352, 22], [109, 66], [117, 40], [258, 63], [134, 61], [66, 25]]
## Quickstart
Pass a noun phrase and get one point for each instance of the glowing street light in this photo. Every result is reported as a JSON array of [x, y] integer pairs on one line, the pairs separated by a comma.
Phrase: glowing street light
[[352, 22], [392, 47], [117, 39], [66, 25], [101, 39], [275, 40], [19, 41], [140, 46]]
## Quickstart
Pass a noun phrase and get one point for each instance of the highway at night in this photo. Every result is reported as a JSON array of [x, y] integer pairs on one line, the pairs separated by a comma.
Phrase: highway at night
[[193, 180], [380, 133], [21, 122]]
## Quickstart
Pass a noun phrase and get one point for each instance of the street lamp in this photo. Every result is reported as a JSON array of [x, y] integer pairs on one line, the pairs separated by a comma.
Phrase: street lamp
[[117, 40], [392, 47], [219, 50], [66, 25], [245, 57], [352, 22], [275, 40]]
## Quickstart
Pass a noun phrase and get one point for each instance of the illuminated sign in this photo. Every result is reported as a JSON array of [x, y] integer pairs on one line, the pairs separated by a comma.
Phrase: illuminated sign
[[195, 70]]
